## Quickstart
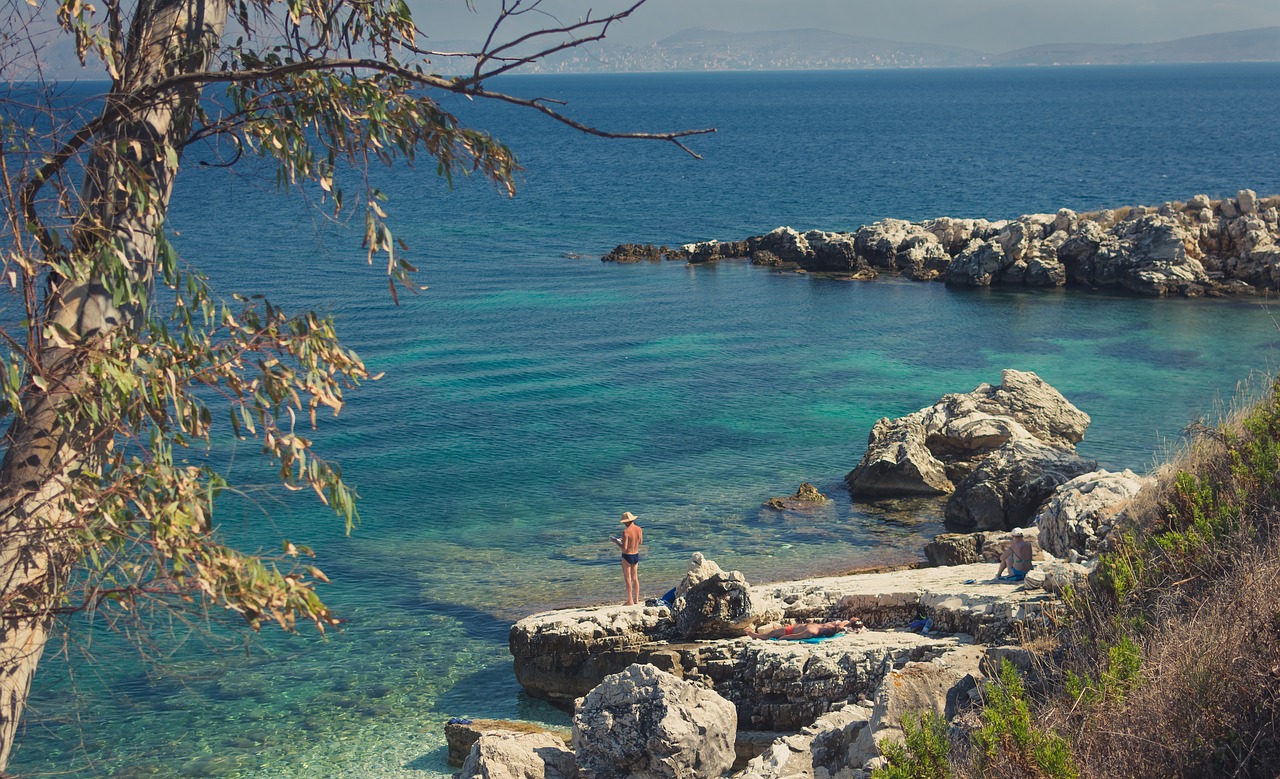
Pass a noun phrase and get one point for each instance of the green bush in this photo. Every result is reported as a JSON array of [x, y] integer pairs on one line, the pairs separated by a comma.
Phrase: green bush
[[925, 753], [1008, 737]]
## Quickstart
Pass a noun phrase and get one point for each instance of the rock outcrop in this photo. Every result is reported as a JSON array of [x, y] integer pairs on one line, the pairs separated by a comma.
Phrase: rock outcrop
[[644, 723], [1081, 510], [1007, 488], [806, 498], [999, 451], [898, 462], [711, 603], [519, 756], [968, 548], [782, 685], [940, 686], [1201, 246], [820, 748], [462, 734]]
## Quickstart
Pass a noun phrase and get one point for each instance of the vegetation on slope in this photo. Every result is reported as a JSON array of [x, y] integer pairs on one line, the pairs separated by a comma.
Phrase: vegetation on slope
[[1168, 664]]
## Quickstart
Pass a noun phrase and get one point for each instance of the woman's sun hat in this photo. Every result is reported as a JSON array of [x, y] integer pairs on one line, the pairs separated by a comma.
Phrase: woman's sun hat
[[627, 518], [1016, 532]]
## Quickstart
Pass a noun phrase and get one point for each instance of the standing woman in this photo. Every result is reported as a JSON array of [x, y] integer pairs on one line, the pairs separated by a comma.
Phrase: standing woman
[[629, 543]]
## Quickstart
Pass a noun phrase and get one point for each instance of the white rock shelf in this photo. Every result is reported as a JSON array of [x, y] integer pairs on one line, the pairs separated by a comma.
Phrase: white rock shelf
[[784, 685]]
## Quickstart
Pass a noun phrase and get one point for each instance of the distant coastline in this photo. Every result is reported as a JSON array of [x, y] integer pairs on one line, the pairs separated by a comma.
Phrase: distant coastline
[[702, 50]]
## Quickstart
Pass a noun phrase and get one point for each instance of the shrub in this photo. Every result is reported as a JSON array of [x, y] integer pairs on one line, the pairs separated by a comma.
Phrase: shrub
[[1009, 740], [924, 753]]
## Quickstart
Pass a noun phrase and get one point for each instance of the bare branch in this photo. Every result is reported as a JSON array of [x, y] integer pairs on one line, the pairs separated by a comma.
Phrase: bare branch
[[487, 54], [424, 79]]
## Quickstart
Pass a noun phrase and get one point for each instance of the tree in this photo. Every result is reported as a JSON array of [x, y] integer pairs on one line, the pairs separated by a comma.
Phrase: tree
[[123, 352]]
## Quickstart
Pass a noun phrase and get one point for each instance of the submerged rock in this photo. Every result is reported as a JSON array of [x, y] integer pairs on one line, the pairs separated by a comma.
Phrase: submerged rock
[[805, 498]]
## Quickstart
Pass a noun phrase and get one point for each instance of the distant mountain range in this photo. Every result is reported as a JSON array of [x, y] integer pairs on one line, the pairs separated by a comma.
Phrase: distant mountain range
[[811, 49]]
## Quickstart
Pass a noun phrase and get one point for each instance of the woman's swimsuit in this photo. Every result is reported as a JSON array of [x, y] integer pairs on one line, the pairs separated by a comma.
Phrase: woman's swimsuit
[[631, 558], [788, 629]]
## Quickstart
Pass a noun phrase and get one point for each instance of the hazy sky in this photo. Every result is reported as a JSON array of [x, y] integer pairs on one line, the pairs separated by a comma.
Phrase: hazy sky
[[987, 25]]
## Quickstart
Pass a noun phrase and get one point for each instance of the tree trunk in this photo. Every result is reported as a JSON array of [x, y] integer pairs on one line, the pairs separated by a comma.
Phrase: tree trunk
[[46, 448]]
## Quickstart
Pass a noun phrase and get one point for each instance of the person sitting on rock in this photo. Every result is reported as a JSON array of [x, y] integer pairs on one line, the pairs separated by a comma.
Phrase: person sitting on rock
[[805, 630], [1017, 558]]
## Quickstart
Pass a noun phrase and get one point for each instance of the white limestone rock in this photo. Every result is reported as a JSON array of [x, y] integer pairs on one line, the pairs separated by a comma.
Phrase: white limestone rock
[[821, 749], [559, 655], [1247, 201], [940, 686], [897, 462], [519, 756], [1072, 518], [644, 723]]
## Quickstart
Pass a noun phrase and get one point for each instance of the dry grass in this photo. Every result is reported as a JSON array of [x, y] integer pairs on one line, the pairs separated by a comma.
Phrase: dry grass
[[1168, 665]]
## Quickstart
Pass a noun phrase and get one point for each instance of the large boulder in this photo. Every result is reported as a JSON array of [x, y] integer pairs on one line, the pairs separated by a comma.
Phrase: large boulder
[[644, 723], [787, 244], [1007, 488], [1158, 263], [560, 655], [718, 606], [835, 253], [1072, 518], [929, 451], [519, 756], [979, 422], [461, 734], [940, 686], [822, 748], [1057, 576], [1034, 404], [954, 549], [878, 243], [978, 265], [897, 462]]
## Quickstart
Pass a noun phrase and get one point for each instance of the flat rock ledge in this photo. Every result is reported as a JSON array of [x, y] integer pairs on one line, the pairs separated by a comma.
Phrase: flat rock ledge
[[784, 685], [1200, 246]]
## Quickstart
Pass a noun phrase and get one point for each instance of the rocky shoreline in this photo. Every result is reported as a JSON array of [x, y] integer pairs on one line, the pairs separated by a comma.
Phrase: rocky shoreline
[[1191, 248], [678, 690]]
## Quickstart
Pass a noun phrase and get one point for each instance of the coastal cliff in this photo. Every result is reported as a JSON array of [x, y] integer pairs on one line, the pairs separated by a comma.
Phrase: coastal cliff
[[1229, 246]]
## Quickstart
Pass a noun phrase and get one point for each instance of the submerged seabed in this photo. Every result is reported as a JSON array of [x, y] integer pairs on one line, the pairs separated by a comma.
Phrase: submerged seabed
[[530, 398]]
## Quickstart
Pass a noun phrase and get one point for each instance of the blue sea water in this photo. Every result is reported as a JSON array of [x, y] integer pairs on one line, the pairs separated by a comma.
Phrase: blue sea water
[[532, 393]]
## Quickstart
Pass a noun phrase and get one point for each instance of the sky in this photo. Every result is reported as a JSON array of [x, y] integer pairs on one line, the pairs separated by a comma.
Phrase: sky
[[990, 26]]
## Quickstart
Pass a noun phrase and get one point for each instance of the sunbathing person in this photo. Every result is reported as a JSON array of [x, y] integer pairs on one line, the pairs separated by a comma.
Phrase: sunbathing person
[[805, 630], [1017, 558]]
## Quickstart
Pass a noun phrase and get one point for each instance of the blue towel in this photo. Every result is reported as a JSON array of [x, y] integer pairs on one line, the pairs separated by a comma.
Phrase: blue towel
[[816, 639]]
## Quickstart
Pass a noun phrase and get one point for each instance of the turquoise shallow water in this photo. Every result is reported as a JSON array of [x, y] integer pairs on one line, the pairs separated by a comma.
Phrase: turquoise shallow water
[[530, 398]]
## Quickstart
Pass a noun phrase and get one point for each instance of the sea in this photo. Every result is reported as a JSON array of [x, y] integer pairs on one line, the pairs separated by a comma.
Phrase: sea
[[532, 393]]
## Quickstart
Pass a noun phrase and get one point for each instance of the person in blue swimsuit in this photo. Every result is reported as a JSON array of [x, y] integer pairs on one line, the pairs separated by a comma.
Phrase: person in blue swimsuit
[[629, 543], [1017, 558]]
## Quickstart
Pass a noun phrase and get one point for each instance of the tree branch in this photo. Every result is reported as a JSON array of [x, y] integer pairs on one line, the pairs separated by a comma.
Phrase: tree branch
[[416, 77]]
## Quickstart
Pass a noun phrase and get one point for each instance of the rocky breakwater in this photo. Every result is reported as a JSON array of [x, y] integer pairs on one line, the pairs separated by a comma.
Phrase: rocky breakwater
[[999, 452], [1195, 247]]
